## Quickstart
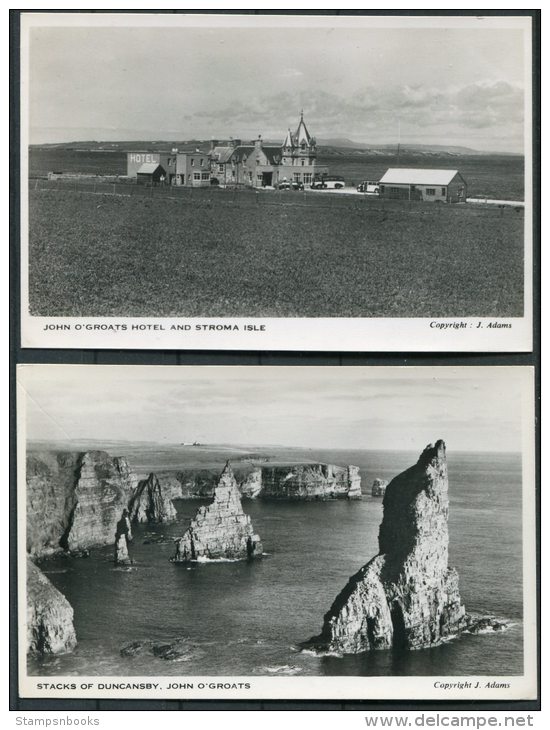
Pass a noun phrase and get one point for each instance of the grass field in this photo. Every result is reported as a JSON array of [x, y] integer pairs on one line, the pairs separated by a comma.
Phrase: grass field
[[488, 176], [215, 253]]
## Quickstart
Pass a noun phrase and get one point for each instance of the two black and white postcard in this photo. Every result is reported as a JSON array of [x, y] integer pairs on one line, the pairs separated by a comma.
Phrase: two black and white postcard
[[193, 183]]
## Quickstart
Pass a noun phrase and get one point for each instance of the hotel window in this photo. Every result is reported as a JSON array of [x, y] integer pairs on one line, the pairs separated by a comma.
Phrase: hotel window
[[297, 176], [443, 191], [260, 176], [196, 176], [220, 168], [202, 160], [303, 162], [206, 176], [430, 191], [192, 162], [307, 178]]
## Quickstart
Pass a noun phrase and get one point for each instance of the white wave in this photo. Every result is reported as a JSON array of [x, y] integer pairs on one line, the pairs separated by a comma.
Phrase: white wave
[[203, 559], [321, 653], [283, 669]]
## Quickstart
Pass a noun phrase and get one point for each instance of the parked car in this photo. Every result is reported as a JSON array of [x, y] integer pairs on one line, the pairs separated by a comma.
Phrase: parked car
[[369, 187], [328, 182], [290, 185]]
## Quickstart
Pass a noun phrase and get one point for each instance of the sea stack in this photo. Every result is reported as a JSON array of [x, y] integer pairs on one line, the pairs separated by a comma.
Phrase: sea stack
[[151, 503], [50, 628], [379, 487], [220, 530], [123, 536], [407, 596]]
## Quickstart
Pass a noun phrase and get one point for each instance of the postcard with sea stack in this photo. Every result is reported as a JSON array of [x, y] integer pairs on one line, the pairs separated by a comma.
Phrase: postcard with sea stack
[[277, 182], [368, 533]]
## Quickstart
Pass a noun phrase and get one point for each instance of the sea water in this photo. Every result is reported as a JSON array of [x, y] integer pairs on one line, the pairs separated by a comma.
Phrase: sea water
[[248, 618]]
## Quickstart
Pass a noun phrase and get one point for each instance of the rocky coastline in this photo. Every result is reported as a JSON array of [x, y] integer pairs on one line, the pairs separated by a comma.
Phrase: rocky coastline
[[75, 499], [406, 597], [50, 628]]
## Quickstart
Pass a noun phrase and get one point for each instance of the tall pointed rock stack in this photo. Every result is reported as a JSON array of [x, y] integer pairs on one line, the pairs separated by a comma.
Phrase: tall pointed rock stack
[[407, 596], [221, 529]]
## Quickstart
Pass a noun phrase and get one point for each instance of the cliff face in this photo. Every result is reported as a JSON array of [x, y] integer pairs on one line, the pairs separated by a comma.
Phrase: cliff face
[[74, 500], [201, 483], [307, 481], [407, 596], [51, 479], [104, 487], [251, 487], [50, 627], [311, 481], [151, 502], [221, 529]]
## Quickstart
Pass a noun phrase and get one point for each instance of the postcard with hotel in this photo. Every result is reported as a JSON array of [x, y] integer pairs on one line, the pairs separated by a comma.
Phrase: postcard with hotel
[[370, 533], [239, 182]]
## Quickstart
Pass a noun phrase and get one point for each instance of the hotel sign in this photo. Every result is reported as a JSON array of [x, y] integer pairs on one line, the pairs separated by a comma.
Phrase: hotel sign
[[138, 158]]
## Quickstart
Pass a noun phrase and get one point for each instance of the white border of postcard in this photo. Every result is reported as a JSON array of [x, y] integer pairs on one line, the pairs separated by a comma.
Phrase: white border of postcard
[[458, 334], [504, 687]]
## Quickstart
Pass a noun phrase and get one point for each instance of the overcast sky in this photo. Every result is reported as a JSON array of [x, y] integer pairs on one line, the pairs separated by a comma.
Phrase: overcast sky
[[461, 86], [370, 408]]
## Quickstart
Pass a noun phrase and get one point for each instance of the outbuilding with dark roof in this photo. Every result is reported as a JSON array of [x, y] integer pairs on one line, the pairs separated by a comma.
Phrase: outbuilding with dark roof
[[151, 172]]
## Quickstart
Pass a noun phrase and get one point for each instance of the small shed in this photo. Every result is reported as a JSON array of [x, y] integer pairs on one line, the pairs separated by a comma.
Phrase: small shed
[[443, 186], [151, 172]]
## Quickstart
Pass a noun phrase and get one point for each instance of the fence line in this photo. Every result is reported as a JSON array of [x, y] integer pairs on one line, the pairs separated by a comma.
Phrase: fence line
[[253, 200]]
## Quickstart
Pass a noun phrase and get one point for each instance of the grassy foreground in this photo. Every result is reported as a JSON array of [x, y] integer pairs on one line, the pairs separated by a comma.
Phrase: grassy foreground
[[214, 253]]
